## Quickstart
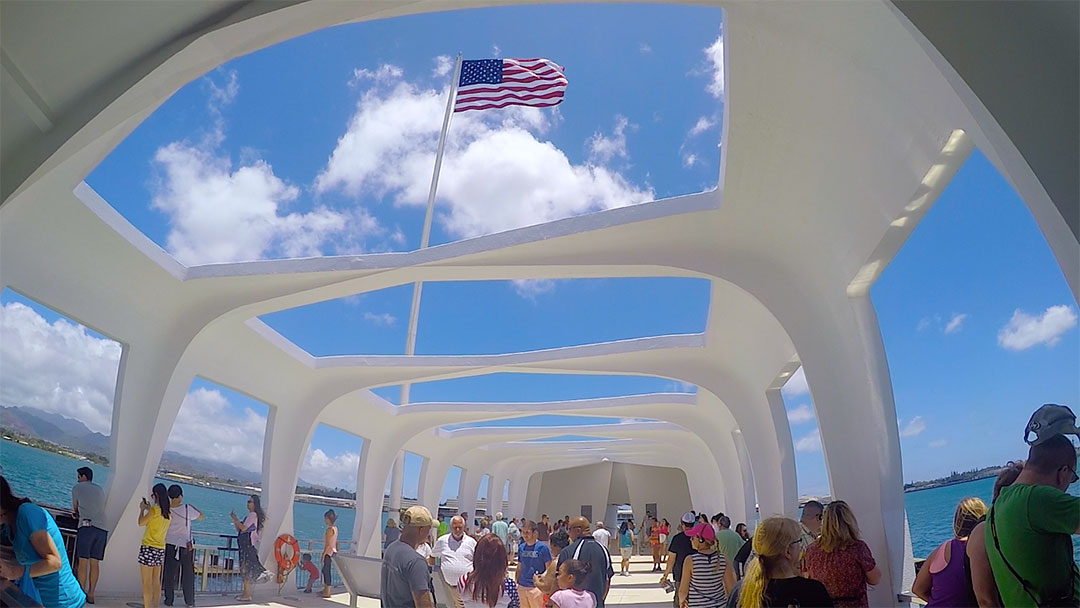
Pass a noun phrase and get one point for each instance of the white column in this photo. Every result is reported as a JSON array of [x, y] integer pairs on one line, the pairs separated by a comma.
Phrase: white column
[[494, 496], [396, 478], [852, 393], [786, 473], [432, 484], [370, 496], [749, 500], [150, 373], [288, 432], [470, 488], [519, 490]]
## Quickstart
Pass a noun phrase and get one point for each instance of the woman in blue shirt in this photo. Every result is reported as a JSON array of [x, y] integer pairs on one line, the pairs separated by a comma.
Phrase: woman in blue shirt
[[39, 551]]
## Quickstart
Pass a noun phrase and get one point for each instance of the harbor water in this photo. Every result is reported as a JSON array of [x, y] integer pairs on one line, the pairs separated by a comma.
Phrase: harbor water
[[47, 478]]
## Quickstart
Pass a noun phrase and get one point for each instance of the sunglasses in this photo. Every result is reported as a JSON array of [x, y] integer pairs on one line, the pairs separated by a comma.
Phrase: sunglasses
[[1075, 477]]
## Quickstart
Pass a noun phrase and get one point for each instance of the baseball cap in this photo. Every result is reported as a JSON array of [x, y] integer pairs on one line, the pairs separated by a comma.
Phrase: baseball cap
[[417, 517], [702, 531], [688, 518], [1049, 421]]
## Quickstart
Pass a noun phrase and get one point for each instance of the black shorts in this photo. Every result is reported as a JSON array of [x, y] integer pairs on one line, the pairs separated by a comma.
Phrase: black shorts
[[90, 543]]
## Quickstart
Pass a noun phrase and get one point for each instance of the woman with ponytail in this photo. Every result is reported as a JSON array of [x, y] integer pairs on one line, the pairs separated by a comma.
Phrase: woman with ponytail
[[154, 515], [945, 580], [772, 578]]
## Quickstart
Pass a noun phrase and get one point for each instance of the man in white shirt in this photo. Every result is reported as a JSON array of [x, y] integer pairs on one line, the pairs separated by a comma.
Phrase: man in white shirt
[[602, 535], [178, 551], [454, 552]]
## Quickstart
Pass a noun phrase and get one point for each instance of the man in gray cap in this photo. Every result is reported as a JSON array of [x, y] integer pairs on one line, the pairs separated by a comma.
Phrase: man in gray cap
[[1028, 527], [406, 581]]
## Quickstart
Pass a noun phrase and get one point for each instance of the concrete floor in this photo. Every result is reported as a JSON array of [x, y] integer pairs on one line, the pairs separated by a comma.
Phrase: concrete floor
[[640, 590]]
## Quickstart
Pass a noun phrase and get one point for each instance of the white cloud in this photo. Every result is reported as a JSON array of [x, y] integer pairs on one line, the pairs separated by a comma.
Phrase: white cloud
[[801, 414], [914, 427], [796, 384], [703, 124], [810, 442], [58, 367], [331, 471], [496, 175], [924, 324], [206, 427], [380, 318], [938, 443], [714, 53], [603, 148], [221, 214], [530, 289], [218, 212], [644, 48], [1024, 331], [496, 51], [443, 65], [955, 323], [689, 160], [384, 73]]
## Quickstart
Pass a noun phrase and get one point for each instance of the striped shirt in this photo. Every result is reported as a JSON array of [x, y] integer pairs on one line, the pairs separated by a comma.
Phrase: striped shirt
[[707, 581]]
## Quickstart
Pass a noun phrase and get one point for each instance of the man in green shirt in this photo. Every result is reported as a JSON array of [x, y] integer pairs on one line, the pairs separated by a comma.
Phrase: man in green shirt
[[730, 542], [1029, 526]]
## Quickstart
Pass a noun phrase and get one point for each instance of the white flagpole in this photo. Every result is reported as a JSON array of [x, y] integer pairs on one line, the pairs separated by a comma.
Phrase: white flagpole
[[425, 235]]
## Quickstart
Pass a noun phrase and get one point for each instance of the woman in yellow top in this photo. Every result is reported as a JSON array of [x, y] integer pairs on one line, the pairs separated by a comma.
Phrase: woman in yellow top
[[155, 517]]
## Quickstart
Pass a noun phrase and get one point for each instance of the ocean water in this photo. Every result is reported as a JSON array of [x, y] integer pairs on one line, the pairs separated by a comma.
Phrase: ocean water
[[47, 478]]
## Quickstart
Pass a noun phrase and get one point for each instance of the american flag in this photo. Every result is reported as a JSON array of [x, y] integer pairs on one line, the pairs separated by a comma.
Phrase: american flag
[[497, 83]]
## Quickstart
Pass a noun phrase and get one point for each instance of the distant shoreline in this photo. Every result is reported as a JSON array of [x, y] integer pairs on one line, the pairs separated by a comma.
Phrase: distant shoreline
[[931, 486], [203, 482]]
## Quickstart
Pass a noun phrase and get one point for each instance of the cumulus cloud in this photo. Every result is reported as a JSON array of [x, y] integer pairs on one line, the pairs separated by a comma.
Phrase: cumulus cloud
[[384, 318], [938, 443], [644, 48], [604, 148], [443, 65], [1024, 331], [714, 54], [801, 414], [796, 384], [219, 212], [59, 367], [497, 173], [915, 426], [955, 323], [331, 471], [689, 160], [924, 324], [810, 442], [703, 124], [207, 427]]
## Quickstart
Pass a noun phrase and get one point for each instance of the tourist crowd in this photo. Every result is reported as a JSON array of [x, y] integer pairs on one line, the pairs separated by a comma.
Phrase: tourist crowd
[[1017, 551]]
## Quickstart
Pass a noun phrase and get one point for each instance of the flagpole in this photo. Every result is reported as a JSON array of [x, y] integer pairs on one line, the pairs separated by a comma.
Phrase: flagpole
[[425, 235]]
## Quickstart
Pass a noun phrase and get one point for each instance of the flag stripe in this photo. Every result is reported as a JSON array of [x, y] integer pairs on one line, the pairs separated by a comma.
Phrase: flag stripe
[[508, 103], [497, 83], [519, 97], [537, 89]]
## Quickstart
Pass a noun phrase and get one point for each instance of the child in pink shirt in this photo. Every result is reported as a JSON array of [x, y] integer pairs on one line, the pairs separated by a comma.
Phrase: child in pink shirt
[[572, 593]]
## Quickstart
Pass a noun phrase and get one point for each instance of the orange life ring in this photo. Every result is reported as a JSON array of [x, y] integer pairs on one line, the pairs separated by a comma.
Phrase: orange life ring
[[286, 552]]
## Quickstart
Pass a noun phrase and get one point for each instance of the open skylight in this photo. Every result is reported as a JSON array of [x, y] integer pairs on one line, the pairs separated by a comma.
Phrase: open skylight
[[324, 144], [493, 317], [534, 388]]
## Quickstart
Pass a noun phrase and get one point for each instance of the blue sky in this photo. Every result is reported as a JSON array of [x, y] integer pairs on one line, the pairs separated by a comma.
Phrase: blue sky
[[323, 145]]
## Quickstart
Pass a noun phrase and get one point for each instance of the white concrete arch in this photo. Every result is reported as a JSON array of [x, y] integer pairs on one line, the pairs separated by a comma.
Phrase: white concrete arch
[[798, 234]]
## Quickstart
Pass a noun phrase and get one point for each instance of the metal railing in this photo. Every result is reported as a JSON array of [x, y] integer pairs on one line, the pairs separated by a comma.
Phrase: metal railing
[[217, 563], [314, 548]]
